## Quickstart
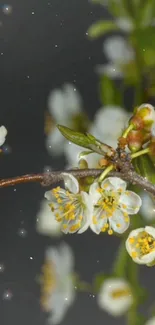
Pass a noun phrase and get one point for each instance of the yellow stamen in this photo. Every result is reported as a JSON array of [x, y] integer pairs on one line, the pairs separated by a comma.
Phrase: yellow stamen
[[48, 282], [134, 254], [120, 293], [131, 240], [94, 220], [75, 227]]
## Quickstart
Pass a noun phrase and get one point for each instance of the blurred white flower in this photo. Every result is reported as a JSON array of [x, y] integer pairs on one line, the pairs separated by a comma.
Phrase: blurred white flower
[[115, 296], [110, 70], [3, 133], [46, 223], [71, 207], [151, 321], [64, 105], [125, 24], [57, 286], [140, 245], [112, 205], [109, 123], [72, 153], [118, 50], [148, 207]]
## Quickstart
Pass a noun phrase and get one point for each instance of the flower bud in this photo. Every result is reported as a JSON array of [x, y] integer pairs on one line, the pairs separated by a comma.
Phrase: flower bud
[[82, 163], [136, 139], [143, 118]]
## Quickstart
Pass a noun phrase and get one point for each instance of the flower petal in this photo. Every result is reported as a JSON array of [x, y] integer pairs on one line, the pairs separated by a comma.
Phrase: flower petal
[[118, 222], [3, 133], [99, 220], [55, 142], [94, 193], [71, 183], [113, 183], [150, 230], [130, 202], [88, 212]]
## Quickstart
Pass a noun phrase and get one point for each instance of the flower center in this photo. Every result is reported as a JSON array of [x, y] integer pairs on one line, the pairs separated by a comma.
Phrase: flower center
[[144, 244], [108, 201], [48, 282], [69, 209], [120, 293]]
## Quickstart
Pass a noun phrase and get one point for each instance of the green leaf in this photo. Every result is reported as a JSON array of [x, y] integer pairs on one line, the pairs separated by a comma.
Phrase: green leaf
[[144, 166], [149, 58], [109, 93], [100, 28], [147, 13], [85, 140], [85, 153], [143, 37]]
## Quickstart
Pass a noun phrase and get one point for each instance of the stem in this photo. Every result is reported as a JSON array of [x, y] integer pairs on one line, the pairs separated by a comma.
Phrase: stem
[[121, 260], [55, 177], [106, 171], [140, 153], [125, 133]]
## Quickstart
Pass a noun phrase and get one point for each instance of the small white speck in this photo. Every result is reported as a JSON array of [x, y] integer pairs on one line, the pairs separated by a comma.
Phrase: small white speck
[[74, 89], [31, 258], [75, 288], [15, 189], [32, 12], [2, 267], [86, 33], [98, 261], [47, 169], [7, 295], [56, 45], [28, 77], [22, 232], [7, 9], [2, 53], [66, 298]]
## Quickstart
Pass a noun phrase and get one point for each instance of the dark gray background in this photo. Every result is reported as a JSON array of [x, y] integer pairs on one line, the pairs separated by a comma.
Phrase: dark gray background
[[27, 42]]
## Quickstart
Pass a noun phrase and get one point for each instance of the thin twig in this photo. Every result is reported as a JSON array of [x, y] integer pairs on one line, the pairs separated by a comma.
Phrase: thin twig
[[51, 178]]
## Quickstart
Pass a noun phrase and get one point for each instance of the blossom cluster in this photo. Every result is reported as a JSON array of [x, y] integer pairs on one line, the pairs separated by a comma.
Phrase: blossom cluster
[[105, 207]]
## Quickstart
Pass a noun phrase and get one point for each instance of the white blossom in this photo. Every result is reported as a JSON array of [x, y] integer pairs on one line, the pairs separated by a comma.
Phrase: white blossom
[[64, 105], [109, 123], [46, 223], [110, 70], [3, 133], [72, 153], [140, 245], [125, 24], [112, 205], [71, 207], [115, 296], [151, 321], [57, 288], [148, 207], [118, 50]]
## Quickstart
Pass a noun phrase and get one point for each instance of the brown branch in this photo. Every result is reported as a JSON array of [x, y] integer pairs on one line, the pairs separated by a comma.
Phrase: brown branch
[[48, 179]]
